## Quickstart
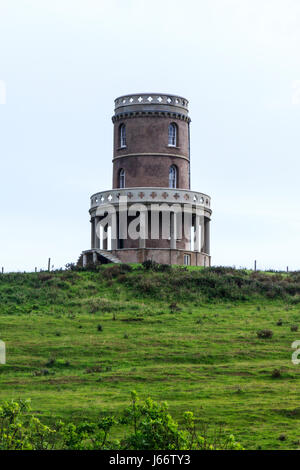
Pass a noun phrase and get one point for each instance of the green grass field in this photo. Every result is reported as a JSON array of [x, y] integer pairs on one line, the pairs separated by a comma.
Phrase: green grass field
[[79, 342]]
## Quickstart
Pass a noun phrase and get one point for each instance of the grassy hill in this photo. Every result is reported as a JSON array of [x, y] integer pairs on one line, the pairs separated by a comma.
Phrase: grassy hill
[[79, 342]]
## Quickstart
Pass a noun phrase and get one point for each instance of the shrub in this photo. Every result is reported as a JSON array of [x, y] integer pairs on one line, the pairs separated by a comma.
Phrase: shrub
[[280, 322], [151, 427], [174, 307], [276, 374], [294, 328], [62, 363], [125, 268], [40, 372], [71, 267], [53, 362], [154, 266], [45, 276], [99, 328], [114, 271], [177, 283], [122, 278], [149, 264], [96, 304], [164, 268], [264, 334], [50, 362], [148, 286], [20, 431]]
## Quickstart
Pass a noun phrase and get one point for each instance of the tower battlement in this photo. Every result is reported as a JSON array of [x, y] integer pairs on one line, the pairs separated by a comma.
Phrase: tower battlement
[[155, 102]]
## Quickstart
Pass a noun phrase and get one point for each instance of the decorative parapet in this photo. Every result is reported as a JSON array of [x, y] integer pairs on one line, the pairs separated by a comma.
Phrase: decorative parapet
[[151, 103], [151, 195], [159, 99]]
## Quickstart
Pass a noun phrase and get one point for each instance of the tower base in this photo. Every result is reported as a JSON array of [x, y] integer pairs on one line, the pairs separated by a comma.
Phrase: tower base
[[139, 255]]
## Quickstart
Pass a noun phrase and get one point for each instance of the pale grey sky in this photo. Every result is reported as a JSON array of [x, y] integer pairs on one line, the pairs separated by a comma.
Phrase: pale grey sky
[[64, 61]]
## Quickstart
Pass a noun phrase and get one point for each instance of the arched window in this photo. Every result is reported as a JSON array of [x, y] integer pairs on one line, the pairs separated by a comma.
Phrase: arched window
[[122, 178], [172, 135], [173, 177], [122, 131]]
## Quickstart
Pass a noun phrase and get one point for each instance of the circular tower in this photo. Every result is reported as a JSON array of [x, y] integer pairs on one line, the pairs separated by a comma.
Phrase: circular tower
[[151, 134], [150, 212]]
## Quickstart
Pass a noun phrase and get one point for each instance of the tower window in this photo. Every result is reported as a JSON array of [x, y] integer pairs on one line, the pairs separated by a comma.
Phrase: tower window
[[172, 135], [122, 135], [173, 177], [122, 178]]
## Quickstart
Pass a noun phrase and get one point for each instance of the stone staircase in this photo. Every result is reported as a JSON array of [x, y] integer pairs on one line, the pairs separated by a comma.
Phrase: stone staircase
[[107, 255]]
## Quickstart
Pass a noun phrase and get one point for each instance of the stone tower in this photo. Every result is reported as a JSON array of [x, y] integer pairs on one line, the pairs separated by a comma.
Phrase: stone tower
[[151, 212]]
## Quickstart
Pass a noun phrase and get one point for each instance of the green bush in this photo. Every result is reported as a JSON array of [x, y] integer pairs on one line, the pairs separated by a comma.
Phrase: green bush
[[150, 426], [276, 374], [264, 334], [20, 431]]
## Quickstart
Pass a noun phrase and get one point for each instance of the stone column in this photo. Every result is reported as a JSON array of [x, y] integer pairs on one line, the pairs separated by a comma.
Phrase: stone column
[[187, 226], [97, 239], [202, 229], [95, 258], [122, 221], [105, 242], [173, 231], [207, 236], [143, 229], [117, 231], [92, 232], [197, 233], [114, 236], [142, 242], [84, 260]]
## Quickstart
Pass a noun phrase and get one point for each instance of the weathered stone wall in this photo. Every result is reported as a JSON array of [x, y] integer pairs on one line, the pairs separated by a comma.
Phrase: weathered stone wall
[[150, 171], [162, 256], [150, 134]]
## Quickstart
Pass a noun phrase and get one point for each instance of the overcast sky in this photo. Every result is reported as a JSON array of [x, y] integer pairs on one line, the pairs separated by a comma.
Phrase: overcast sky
[[62, 63]]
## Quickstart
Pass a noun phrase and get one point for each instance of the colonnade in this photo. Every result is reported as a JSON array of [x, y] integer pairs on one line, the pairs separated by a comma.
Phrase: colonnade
[[200, 234]]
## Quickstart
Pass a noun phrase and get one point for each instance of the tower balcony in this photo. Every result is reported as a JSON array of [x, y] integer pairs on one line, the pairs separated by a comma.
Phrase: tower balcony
[[153, 195]]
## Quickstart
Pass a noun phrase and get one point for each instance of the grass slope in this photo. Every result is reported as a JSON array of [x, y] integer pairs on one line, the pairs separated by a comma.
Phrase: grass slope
[[79, 342]]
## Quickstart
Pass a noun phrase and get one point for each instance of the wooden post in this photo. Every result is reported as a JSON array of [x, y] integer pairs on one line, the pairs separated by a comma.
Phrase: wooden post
[[49, 260]]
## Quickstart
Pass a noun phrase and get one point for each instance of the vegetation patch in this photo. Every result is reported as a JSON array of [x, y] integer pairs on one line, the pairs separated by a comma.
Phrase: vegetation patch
[[187, 336]]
